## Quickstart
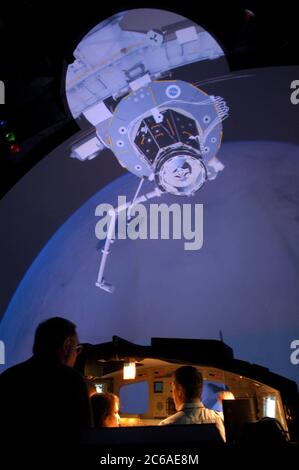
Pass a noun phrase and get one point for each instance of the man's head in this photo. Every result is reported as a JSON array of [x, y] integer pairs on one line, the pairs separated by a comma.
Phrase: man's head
[[57, 338], [187, 385]]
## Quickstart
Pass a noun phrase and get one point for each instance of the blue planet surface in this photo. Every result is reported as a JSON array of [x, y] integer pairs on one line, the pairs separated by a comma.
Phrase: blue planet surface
[[244, 280]]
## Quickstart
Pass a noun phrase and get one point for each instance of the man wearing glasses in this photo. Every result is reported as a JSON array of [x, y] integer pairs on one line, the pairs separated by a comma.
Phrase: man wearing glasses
[[44, 396]]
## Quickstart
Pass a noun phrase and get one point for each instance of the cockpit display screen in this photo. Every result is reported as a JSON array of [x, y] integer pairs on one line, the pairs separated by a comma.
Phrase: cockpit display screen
[[158, 387]]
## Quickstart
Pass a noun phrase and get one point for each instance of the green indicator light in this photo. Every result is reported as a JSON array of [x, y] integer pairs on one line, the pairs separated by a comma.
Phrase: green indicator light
[[10, 137]]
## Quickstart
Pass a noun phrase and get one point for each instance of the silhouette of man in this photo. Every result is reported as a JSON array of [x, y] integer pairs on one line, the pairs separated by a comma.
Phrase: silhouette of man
[[44, 400]]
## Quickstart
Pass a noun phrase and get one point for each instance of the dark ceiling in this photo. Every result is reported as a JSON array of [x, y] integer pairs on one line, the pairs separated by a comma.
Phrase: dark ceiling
[[37, 40]]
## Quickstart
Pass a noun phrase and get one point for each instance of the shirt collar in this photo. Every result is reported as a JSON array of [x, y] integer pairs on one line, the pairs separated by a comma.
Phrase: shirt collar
[[191, 405]]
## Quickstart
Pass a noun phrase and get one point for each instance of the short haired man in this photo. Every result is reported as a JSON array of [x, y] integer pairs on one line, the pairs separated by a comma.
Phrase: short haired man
[[187, 389], [44, 400]]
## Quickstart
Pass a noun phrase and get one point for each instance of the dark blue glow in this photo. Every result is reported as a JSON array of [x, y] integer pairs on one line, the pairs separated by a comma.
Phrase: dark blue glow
[[134, 398]]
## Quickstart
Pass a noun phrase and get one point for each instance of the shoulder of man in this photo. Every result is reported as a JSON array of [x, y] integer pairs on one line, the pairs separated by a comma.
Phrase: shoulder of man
[[15, 371], [173, 419], [211, 413], [219, 421]]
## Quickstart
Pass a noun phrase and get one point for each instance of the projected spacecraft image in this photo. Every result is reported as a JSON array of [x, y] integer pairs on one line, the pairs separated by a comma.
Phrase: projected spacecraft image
[[161, 130]]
